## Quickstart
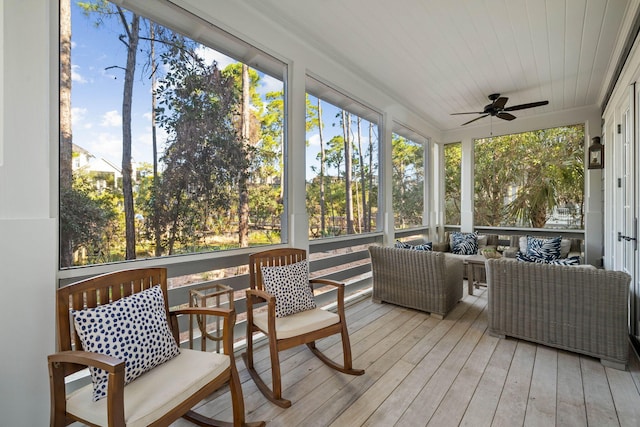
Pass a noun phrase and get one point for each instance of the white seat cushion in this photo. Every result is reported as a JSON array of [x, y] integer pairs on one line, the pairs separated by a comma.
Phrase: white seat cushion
[[299, 323], [156, 392]]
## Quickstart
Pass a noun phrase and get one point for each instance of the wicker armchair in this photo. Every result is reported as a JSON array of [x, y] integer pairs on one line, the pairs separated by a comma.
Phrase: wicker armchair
[[427, 281], [576, 308]]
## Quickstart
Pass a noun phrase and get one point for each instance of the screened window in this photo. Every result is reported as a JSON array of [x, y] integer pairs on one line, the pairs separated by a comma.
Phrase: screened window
[[342, 165], [452, 183], [168, 146], [531, 179], [408, 181]]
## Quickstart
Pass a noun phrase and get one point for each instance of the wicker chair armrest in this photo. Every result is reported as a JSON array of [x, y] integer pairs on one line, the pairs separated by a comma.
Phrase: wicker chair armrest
[[440, 247], [510, 252]]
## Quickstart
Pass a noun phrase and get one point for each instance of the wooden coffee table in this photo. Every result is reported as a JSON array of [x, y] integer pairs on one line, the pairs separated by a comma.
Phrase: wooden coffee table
[[475, 268]]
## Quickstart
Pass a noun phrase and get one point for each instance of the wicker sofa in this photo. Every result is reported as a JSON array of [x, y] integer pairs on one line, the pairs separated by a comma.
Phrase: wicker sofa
[[576, 308], [568, 248], [484, 241], [423, 280]]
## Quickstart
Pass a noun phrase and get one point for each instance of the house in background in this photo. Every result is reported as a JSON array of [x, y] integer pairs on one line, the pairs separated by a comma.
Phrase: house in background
[[373, 52], [100, 171]]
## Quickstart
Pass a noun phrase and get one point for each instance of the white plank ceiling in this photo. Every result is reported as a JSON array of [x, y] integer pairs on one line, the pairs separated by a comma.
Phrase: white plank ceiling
[[443, 56]]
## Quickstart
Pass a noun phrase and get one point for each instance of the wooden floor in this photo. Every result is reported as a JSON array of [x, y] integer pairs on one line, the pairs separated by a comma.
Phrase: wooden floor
[[451, 372]]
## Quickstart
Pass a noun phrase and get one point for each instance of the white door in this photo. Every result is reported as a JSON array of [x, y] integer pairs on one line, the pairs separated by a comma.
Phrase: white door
[[627, 227]]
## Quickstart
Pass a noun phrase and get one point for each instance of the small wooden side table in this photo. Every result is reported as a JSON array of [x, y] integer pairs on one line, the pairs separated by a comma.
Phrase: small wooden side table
[[215, 295], [475, 269]]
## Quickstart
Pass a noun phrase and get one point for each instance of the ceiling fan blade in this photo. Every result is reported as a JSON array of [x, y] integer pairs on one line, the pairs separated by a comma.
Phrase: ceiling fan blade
[[500, 102], [470, 112], [505, 116], [471, 121], [529, 105]]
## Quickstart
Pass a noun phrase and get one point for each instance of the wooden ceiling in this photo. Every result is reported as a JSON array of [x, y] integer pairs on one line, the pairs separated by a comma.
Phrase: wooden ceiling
[[443, 56]]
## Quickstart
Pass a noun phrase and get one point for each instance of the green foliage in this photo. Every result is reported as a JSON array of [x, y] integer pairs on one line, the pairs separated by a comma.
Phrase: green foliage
[[534, 172], [87, 215], [193, 200], [408, 182], [452, 182]]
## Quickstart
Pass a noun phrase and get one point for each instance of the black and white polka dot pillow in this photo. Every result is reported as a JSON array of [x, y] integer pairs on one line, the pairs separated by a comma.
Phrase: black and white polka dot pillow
[[133, 329], [290, 285]]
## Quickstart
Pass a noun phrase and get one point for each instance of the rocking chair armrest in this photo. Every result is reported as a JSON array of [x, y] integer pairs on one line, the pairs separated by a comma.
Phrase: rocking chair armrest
[[67, 361], [327, 282], [110, 364], [260, 294], [339, 292], [225, 313]]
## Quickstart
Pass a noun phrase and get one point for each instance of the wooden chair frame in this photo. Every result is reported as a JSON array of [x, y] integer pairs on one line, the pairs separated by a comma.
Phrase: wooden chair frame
[[257, 295], [70, 357]]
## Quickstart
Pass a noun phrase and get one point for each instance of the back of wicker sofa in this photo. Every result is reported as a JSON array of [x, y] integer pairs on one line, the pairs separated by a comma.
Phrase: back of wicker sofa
[[574, 308], [423, 280]]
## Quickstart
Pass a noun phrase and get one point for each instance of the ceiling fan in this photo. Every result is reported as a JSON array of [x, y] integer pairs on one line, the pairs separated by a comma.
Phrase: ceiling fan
[[497, 108]]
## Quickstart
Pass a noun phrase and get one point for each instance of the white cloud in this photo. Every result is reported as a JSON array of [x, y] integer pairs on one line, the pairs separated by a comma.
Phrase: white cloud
[[79, 117], [111, 119], [269, 84], [314, 140], [76, 76], [105, 145], [209, 55]]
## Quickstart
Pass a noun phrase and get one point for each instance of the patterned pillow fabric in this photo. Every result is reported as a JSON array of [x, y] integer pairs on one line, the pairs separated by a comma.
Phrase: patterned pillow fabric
[[133, 329], [574, 260], [423, 247], [290, 285], [464, 243], [546, 249]]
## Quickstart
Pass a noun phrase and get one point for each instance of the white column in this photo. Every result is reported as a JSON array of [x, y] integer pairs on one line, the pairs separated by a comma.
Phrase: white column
[[28, 176], [385, 217], [295, 157], [467, 187], [437, 195]]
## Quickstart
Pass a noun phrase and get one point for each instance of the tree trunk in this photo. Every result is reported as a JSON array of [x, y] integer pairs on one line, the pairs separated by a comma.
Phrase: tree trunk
[[154, 139], [370, 174], [243, 214], [127, 99], [363, 181], [66, 136], [346, 121], [323, 208]]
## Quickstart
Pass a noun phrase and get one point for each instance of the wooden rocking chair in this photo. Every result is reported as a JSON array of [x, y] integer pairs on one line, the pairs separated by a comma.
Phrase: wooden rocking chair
[[304, 327], [159, 396]]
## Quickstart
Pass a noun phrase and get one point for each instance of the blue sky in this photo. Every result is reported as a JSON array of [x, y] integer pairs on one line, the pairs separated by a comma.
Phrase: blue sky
[[97, 90], [97, 86]]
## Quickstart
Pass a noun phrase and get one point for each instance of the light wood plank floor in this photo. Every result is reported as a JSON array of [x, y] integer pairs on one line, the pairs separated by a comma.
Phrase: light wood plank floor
[[423, 371]]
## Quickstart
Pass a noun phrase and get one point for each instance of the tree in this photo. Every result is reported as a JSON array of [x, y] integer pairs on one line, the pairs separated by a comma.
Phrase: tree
[[205, 156], [248, 127], [452, 189], [533, 172], [346, 128], [66, 134], [130, 39], [408, 181], [86, 214]]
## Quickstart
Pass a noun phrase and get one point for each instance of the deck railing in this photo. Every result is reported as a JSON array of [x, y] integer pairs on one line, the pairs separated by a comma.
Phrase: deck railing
[[343, 258]]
